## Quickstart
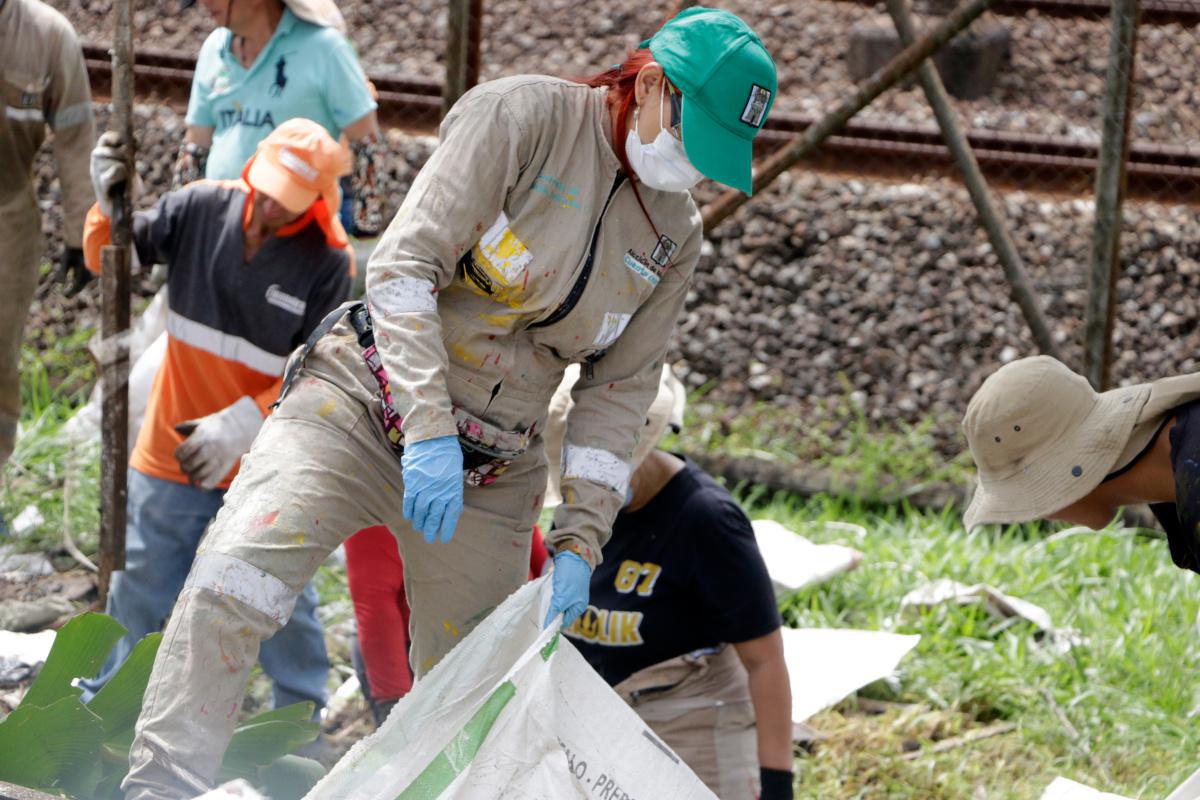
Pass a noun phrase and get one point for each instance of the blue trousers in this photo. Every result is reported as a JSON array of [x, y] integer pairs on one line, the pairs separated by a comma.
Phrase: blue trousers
[[166, 523]]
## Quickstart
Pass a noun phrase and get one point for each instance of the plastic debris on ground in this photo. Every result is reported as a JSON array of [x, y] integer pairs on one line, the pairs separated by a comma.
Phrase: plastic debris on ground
[[25, 615], [29, 565], [998, 604], [827, 664], [21, 655], [1067, 789], [796, 563], [27, 521]]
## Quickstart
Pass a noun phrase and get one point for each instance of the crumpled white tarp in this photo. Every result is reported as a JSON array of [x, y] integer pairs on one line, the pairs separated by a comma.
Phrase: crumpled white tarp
[[795, 563], [827, 664], [999, 604], [1066, 789]]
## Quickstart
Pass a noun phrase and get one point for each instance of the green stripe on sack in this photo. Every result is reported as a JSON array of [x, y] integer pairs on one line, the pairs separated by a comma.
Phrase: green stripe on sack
[[550, 647], [457, 755]]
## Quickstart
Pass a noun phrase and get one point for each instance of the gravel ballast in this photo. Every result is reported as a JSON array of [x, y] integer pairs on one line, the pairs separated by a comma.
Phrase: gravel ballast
[[884, 294]]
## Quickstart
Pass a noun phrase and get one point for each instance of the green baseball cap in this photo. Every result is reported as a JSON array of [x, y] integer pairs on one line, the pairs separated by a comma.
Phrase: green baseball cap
[[728, 82]]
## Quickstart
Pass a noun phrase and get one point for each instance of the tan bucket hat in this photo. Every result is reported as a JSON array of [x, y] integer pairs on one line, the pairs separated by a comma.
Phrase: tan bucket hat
[[666, 410], [1042, 438]]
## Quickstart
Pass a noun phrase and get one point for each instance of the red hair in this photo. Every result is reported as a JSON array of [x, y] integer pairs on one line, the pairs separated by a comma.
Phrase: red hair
[[619, 80]]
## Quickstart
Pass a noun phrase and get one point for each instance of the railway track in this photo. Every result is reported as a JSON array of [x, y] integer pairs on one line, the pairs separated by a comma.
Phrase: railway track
[[1050, 164], [1154, 12]]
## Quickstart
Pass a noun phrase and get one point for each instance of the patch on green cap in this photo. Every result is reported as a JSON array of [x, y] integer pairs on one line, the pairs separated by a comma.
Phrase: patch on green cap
[[728, 82]]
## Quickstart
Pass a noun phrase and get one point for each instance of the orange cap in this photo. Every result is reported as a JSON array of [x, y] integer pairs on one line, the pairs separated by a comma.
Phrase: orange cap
[[297, 163]]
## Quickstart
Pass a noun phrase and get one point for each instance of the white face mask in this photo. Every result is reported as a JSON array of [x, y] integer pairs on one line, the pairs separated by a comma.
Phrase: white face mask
[[662, 164]]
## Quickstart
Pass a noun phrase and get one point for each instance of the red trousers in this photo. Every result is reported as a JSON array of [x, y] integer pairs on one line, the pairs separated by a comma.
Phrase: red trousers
[[376, 577]]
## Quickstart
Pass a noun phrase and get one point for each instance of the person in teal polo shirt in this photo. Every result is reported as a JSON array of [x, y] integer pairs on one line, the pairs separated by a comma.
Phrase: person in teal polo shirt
[[271, 61]]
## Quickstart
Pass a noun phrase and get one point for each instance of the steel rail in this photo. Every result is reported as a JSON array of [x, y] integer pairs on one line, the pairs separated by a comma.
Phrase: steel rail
[[1015, 160], [1154, 12]]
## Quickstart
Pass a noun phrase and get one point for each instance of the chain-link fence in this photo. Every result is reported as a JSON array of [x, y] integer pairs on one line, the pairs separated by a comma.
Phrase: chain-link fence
[[863, 273]]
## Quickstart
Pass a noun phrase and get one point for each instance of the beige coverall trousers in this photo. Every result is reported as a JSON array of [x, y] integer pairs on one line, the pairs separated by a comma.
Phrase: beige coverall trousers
[[20, 251], [700, 706], [319, 471]]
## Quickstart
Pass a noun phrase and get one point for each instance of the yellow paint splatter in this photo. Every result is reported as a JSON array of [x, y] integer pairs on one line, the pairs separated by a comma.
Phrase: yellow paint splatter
[[326, 408], [450, 627], [463, 353]]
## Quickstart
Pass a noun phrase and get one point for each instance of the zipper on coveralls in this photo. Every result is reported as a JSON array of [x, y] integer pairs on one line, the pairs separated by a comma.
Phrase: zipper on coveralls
[[576, 292]]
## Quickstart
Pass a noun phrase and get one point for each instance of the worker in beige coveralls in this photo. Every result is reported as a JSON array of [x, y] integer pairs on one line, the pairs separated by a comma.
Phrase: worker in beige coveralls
[[552, 225], [42, 82]]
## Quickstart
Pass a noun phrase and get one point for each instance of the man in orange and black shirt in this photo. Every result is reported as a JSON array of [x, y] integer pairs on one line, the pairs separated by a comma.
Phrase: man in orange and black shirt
[[253, 267]]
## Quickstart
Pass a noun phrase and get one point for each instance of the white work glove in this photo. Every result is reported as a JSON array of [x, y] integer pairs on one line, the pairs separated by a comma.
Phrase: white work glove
[[216, 442], [108, 169]]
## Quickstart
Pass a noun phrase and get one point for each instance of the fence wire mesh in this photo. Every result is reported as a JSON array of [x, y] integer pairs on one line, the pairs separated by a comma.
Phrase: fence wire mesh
[[863, 274]]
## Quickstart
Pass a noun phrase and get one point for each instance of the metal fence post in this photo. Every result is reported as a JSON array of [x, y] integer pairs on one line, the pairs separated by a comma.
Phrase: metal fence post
[[464, 24], [964, 157], [114, 323], [1110, 192]]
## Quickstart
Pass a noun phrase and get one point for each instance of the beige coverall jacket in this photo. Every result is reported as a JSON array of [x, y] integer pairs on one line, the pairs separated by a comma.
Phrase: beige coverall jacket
[[481, 292], [42, 82]]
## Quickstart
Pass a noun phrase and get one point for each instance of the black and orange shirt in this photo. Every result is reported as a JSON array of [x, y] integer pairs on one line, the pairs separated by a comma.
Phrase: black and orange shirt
[[230, 323]]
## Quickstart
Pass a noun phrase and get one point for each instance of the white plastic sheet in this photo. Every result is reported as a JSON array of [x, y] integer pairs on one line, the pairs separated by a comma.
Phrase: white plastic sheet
[[795, 563], [827, 664], [512, 712]]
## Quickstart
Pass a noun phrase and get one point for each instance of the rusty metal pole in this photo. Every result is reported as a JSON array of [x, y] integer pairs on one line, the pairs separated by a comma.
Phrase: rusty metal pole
[[886, 77], [1110, 192], [459, 50], [114, 316], [1002, 243]]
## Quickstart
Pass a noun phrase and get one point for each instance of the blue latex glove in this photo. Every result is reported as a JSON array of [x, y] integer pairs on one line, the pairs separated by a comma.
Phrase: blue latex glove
[[571, 583], [433, 486]]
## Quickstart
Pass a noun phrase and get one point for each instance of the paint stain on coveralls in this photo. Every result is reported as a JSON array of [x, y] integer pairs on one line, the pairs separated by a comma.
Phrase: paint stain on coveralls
[[450, 627], [326, 408], [267, 520]]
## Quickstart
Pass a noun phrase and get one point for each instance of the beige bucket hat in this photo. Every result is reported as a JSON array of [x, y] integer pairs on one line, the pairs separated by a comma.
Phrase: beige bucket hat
[[666, 410], [1042, 438]]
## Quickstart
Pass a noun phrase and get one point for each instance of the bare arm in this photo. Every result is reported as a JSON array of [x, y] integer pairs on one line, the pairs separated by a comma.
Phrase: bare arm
[[771, 694], [199, 134], [361, 128]]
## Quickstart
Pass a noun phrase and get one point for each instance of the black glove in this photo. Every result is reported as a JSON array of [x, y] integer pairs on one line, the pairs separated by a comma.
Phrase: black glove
[[71, 271], [776, 784]]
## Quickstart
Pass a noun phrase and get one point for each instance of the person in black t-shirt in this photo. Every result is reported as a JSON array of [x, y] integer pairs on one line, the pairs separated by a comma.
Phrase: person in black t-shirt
[[682, 619], [1049, 447]]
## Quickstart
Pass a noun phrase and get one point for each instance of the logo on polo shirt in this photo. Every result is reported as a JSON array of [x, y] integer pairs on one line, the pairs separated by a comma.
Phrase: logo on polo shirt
[[280, 78], [281, 299], [756, 106]]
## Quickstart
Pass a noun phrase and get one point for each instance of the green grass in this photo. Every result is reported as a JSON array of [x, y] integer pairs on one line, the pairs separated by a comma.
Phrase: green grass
[[54, 385], [840, 440], [1127, 691]]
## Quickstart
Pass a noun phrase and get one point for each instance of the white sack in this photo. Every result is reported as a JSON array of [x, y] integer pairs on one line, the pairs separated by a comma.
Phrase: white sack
[[512, 712]]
